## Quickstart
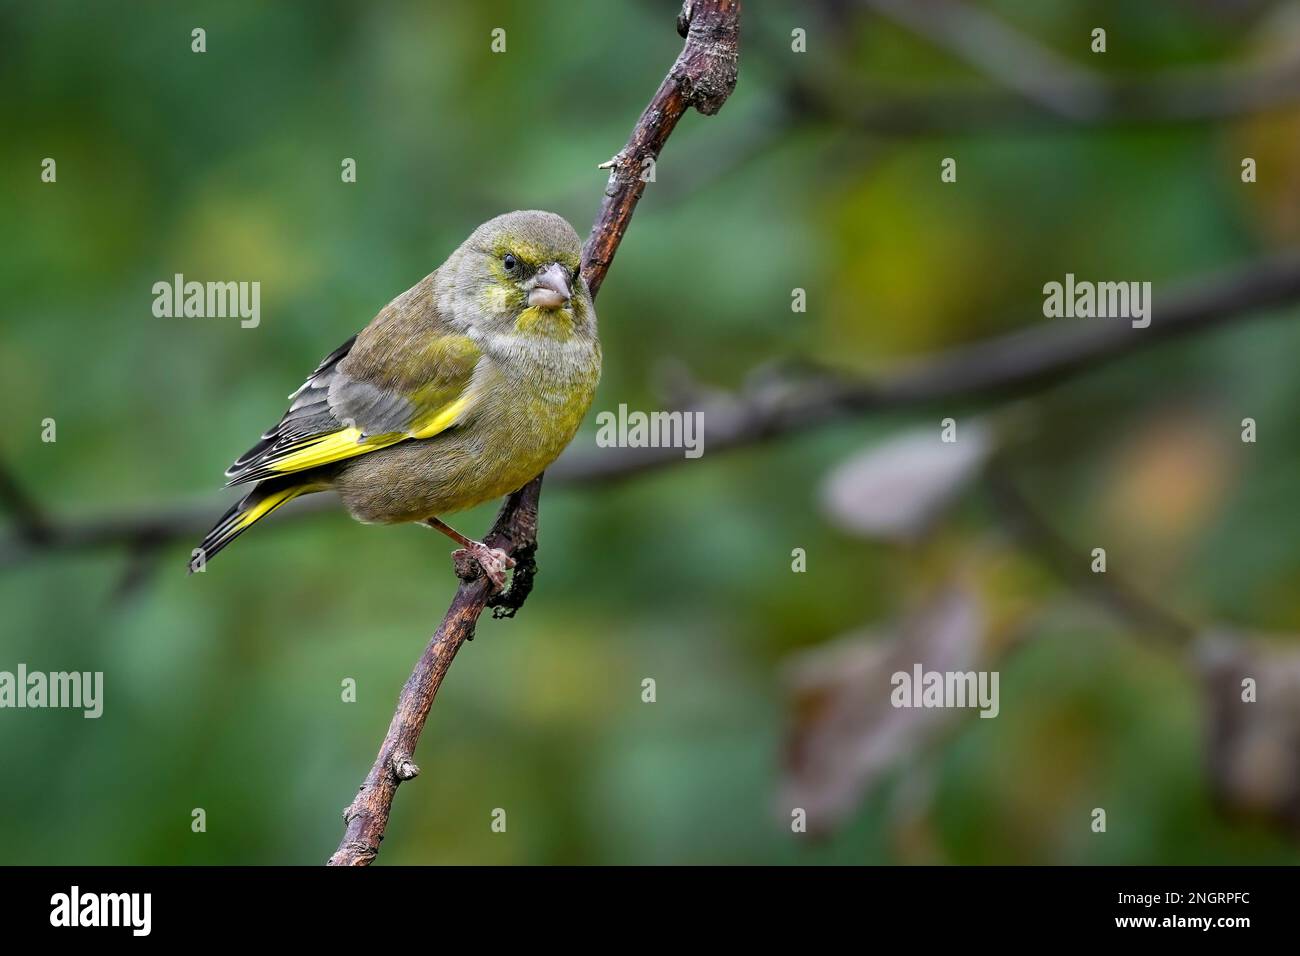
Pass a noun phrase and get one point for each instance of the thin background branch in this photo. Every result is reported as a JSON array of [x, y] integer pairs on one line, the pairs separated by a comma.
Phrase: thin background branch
[[30, 521], [1009, 365], [1073, 565], [1014, 59], [1041, 88]]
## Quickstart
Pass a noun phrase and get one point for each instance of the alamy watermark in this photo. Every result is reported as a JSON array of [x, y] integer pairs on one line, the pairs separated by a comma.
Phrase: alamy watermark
[[922, 688], [75, 908], [62, 689], [179, 299], [1073, 299], [634, 429]]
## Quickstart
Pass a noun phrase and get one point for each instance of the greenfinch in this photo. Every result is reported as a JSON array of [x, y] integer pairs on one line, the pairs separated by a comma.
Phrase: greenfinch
[[462, 389]]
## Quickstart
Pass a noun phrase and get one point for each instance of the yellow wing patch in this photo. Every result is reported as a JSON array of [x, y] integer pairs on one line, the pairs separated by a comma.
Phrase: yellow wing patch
[[440, 421], [349, 442], [264, 507]]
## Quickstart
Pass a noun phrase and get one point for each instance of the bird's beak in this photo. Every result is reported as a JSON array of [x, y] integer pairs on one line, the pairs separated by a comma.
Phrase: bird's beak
[[551, 289]]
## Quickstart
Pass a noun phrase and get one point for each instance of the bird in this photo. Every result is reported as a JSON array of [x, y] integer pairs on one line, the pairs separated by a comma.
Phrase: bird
[[462, 389]]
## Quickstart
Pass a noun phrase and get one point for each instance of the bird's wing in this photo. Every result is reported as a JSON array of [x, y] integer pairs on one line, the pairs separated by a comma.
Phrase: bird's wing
[[406, 376]]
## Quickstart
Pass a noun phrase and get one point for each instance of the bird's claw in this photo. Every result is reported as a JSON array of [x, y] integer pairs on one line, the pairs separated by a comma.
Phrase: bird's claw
[[493, 561]]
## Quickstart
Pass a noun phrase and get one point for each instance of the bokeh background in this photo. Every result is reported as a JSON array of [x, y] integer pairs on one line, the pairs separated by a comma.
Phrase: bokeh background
[[223, 689]]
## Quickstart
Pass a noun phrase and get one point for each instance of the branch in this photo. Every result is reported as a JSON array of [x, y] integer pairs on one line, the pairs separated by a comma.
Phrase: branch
[[1043, 92], [1016, 60], [515, 529], [1194, 95], [1035, 358], [32, 524], [1011, 364], [702, 78], [1042, 89], [1072, 564]]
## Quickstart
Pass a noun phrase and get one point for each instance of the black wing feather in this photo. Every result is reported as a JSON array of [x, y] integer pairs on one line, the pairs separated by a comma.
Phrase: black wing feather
[[309, 415]]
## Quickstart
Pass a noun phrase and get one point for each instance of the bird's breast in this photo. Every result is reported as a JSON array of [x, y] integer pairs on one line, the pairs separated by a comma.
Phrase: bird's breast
[[527, 406], [539, 394]]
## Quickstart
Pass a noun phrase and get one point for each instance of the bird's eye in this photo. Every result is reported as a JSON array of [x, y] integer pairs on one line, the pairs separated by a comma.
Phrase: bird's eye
[[510, 262], [577, 271]]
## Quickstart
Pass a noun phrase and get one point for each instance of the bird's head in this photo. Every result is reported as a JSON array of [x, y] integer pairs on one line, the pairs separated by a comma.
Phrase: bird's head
[[521, 273]]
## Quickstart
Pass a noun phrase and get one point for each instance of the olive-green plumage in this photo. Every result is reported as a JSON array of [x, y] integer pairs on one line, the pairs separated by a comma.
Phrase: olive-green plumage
[[460, 390]]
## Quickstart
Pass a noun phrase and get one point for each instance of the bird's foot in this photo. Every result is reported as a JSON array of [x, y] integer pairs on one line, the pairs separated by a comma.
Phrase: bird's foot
[[493, 561]]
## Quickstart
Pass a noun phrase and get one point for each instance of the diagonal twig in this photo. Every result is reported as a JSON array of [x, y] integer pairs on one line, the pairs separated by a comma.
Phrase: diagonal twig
[[702, 78]]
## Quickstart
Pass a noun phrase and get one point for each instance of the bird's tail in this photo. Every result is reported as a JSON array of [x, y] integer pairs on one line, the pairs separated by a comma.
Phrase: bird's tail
[[265, 497]]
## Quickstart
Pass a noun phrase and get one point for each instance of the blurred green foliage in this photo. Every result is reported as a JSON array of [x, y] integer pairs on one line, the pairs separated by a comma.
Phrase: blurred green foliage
[[223, 690]]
